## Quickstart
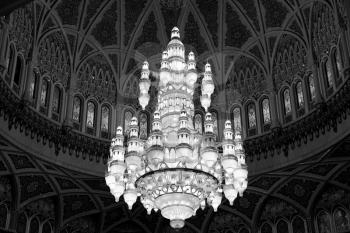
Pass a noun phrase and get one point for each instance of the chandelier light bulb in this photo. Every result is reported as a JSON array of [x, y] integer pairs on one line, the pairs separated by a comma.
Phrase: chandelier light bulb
[[130, 197], [177, 169], [230, 193]]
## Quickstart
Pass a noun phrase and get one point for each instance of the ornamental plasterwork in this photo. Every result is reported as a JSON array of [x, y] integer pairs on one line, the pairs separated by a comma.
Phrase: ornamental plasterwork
[[326, 30], [21, 30], [334, 196], [97, 83], [5, 189], [246, 81], [45, 208], [291, 62], [53, 59], [226, 222], [275, 208]]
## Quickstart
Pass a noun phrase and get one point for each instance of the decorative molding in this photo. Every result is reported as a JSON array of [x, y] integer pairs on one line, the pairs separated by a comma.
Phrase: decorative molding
[[18, 114], [326, 117]]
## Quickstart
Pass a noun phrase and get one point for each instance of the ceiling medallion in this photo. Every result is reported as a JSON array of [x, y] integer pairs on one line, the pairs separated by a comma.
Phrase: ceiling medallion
[[177, 169]]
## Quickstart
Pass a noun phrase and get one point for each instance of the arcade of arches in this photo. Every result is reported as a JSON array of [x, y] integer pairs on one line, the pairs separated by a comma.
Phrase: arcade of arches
[[69, 72]]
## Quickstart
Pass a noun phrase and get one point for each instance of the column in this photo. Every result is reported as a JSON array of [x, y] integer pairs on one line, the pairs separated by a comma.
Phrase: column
[[113, 120], [98, 121], [259, 122], [49, 106], [305, 87], [28, 77], [221, 118], [345, 48], [273, 110], [310, 225], [69, 108], [319, 97], [119, 115], [342, 30], [313, 66], [4, 34], [244, 121], [69, 102], [293, 101], [84, 116], [347, 10], [38, 102]]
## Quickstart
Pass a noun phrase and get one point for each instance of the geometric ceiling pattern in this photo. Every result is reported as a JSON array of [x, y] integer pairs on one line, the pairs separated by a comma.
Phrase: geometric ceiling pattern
[[119, 35], [73, 199]]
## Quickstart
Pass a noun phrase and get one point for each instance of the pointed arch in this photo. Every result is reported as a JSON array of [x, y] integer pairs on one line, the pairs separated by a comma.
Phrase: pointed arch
[[252, 125], [266, 228], [144, 124], [265, 113], [282, 226], [106, 117], [77, 112], [341, 219], [286, 103], [298, 225], [91, 117], [323, 222], [128, 114], [57, 102], [299, 98]]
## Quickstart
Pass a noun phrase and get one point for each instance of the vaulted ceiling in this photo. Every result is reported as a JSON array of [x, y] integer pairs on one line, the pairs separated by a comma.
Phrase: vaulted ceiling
[[118, 35]]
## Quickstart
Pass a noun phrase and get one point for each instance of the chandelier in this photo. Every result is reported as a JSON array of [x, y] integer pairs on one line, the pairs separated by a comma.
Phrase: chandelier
[[177, 169]]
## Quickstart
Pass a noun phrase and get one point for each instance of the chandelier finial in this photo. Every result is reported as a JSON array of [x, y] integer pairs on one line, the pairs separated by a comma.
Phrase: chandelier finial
[[175, 33]]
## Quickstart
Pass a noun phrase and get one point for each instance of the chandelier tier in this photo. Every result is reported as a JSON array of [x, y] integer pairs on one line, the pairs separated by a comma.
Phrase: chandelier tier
[[177, 169]]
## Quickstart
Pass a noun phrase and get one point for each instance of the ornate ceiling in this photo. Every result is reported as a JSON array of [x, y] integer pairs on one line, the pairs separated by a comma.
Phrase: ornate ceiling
[[118, 35]]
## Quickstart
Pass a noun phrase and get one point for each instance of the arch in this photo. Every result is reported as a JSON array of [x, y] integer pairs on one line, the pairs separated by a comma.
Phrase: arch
[[266, 228], [33, 87], [18, 73], [127, 118], [323, 222], [105, 120], [328, 75], [131, 87], [34, 225], [252, 124], [47, 227], [21, 223], [11, 62], [338, 62], [298, 225], [299, 98], [44, 95], [77, 111], [282, 226], [265, 113], [311, 88], [143, 124], [198, 122], [215, 116], [91, 115], [57, 102], [286, 104], [341, 219], [236, 117]]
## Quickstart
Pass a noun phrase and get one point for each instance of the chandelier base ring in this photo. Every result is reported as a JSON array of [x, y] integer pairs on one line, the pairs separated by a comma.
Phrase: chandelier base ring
[[182, 169]]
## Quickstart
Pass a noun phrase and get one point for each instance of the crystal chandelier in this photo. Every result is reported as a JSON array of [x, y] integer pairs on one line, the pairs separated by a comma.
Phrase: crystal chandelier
[[177, 169]]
